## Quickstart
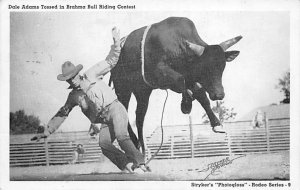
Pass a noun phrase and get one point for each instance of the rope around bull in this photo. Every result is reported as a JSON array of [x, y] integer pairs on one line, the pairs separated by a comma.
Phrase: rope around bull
[[152, 86], [143, 57], [162, 129]]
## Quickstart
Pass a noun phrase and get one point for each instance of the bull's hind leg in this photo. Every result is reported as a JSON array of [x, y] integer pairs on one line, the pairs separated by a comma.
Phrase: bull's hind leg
[[142, 97], [166, 75], [124, 95]]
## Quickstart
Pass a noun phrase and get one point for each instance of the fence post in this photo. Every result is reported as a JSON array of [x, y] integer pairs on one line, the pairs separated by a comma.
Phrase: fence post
[[228, 140], [191, 136], [172, 146], [267, 131], [46, 151]]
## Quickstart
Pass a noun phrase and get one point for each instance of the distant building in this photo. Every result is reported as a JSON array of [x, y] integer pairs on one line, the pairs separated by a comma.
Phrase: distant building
[[274, 111], [281, 111]]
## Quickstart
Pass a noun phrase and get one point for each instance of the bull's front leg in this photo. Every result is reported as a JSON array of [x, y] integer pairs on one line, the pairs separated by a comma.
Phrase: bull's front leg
[[169, 77], [200, 94]]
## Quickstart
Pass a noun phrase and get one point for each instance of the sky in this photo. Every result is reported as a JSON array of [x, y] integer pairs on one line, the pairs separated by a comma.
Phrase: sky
[[41, 41]]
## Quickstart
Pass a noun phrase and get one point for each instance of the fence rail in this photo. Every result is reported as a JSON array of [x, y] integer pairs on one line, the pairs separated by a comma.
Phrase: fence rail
[[241, 138]]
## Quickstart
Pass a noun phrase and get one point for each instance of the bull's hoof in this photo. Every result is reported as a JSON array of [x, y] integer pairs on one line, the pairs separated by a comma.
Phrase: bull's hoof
[[186, 102], [186, 107], [219, 129]]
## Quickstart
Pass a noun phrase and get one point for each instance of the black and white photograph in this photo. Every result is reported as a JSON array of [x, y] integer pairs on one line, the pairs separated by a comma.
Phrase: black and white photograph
[[143, 95]]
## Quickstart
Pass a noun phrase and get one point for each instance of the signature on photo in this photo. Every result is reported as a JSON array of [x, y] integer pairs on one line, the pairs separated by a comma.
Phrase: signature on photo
[[215, 166]]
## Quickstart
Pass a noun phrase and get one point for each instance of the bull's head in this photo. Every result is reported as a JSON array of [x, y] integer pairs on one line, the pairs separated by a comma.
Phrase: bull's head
[[210, 64]]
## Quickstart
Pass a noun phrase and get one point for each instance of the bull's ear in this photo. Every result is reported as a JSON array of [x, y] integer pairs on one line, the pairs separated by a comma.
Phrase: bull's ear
[[231, 55]]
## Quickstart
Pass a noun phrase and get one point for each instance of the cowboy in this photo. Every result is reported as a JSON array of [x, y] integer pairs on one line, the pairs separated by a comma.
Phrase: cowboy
[[106, 110]]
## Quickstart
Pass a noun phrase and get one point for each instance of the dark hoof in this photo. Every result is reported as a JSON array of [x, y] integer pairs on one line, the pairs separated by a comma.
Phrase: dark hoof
[[186, 107]]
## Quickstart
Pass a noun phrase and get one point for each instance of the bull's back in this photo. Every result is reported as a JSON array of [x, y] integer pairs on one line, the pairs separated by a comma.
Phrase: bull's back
[[165, 40], [129, 62]]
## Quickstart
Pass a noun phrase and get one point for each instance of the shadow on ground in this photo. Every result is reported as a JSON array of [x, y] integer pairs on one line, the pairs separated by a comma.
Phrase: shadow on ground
[[271, 166]]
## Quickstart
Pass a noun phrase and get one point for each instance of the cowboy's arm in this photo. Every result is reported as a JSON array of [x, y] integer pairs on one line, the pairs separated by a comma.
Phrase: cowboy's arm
[[57, 119], [103, 67]]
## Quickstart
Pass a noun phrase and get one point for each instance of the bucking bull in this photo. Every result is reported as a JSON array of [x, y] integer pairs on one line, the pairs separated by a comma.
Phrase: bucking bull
[[171, 55]]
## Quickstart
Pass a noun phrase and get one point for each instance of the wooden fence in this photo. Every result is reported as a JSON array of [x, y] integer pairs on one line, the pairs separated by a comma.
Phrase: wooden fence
[[240, 139], [51, 152]]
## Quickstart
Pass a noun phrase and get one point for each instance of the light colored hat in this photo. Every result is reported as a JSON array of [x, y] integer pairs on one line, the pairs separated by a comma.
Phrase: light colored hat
[[68, 71]]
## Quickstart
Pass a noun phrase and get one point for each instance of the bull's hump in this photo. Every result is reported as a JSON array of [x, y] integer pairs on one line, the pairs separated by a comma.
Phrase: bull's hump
[[168, 38], [165, 40], [176, 20], [183, 27], [175, 23]]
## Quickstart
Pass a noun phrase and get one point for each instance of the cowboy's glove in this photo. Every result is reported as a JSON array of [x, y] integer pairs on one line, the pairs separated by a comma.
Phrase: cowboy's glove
[[116, 36], [38, 137]]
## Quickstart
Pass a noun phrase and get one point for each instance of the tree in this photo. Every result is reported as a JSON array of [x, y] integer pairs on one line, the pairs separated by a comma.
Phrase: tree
[[284, 86], [223, 113], [21, 123]]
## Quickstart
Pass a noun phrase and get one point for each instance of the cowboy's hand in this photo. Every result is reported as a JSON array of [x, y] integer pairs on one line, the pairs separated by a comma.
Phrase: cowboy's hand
[[38, 137], [116, 34]]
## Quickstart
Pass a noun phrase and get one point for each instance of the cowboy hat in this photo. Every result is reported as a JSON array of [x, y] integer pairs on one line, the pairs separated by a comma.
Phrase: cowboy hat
[[68, 71]]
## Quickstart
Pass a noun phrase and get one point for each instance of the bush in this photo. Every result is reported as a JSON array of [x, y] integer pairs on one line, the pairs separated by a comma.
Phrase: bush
[[223, 113], [284, 86], [21, 123]]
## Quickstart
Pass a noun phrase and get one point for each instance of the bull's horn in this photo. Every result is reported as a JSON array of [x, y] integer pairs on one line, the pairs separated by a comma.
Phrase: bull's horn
[[196, 48], [227, 44]]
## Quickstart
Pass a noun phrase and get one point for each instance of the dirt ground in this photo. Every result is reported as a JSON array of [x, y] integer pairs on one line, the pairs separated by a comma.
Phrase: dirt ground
[[272, 166]]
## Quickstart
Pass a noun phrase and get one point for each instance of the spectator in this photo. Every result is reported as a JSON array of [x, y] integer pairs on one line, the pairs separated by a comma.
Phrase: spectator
[[94, 130], [78, 154], [258, 120]]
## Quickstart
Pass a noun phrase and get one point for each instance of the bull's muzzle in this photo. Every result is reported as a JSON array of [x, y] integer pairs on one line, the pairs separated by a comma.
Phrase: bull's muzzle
[[217, 96]]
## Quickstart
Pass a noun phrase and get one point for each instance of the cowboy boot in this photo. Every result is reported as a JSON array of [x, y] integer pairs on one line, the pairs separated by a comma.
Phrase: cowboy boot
[[131, 152], [128, 169], [142, 168]]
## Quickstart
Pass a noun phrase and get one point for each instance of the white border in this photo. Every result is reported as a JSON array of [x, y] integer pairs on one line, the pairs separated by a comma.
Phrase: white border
[[153, 5]]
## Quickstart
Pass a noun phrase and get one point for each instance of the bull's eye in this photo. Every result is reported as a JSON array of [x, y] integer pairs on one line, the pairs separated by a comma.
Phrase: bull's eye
[[215, 59]]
